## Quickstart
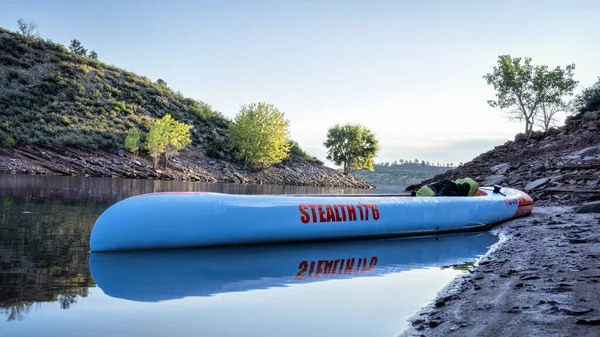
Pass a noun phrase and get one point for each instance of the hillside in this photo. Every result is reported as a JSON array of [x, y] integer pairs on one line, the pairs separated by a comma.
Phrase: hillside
[[61, 113], [561, 166], [399, 175]]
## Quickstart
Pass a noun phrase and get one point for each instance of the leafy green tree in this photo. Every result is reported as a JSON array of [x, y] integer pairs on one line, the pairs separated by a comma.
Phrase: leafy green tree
[[167, 136], [156, 140], [93, 55], [178, 136], [259, 135], [351, 146], [160, 81], [77, 48], [132, 141], [524, 89]]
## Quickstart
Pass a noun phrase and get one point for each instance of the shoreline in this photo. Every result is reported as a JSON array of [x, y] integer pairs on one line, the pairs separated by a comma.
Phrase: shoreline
[[188, 165], [540, 279]]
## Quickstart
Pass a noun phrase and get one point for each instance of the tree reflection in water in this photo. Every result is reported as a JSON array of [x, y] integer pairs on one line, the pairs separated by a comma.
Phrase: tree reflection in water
[[45, 225]]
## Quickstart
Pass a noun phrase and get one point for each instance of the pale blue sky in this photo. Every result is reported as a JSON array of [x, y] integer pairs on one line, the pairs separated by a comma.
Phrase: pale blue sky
[[409, 70]]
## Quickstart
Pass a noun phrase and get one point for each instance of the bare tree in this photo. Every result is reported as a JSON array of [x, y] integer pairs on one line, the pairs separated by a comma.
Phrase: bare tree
[[549, 111], [27, 29]]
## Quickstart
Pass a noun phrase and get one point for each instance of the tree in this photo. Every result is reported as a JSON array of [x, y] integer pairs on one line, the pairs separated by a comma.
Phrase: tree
[[156, 140], [178, 136], [77, 48], [93, 55], [588, 99], [401, 161], [549, 111], [259, 135], [132, 141], [352, 146], [27, 29], [522, 87], [160, 81], [167, 136]]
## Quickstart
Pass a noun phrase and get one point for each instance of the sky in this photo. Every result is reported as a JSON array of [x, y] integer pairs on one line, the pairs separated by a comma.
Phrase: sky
[[411, 71]]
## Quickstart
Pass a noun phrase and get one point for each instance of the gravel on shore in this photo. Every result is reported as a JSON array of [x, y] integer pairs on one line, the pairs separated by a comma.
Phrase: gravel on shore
[[541, 279]]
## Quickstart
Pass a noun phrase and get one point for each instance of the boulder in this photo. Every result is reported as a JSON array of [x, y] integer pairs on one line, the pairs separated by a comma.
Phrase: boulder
[[500, 169], [493, 179], [537, 183], [588, 151], [589, 207]]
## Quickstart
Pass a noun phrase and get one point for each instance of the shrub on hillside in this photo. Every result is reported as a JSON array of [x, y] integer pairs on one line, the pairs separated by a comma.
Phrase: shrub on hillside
[[8, 142], [589, 98]]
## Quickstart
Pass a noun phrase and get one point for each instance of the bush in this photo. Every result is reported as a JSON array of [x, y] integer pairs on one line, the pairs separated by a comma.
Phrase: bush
[[8, 142], [589, 98], [217, 149], [299, 155]]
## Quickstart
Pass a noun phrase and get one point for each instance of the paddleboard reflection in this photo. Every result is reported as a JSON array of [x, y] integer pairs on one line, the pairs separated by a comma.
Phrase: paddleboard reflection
[[150, 276]]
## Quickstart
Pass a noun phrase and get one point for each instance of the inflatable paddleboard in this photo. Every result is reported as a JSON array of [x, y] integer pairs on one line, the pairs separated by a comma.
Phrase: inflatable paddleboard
[[176, 220]]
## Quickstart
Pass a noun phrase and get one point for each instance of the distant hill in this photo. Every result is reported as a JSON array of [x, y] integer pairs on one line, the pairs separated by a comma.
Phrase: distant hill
[[399, 175]]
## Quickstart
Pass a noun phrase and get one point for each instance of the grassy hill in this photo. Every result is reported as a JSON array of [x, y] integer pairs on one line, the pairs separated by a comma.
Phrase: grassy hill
[[50, 96]]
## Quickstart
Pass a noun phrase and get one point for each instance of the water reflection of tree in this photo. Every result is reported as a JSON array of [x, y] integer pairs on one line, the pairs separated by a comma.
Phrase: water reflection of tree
[[45, 224], [43, 253]]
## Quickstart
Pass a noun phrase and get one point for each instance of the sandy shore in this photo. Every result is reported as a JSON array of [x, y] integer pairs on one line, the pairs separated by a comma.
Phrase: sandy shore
[[541, 279]]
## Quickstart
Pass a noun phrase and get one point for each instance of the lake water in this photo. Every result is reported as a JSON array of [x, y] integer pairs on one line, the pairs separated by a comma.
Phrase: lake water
[[50, 285]]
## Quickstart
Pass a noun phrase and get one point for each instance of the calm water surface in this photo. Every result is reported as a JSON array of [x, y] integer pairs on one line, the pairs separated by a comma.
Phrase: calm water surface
[[50, 285]]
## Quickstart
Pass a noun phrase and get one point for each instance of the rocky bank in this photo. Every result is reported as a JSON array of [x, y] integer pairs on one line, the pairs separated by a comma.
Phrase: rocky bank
[[189, 166], [542, 278], [558, 167]]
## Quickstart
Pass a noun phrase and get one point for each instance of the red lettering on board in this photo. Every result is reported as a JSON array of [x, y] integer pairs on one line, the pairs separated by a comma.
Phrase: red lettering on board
[[305, 218], [343, 208], [330, 214], [321, 214], [338, 218], [351, 213], [314, 212], [345, 212], [375, 212]]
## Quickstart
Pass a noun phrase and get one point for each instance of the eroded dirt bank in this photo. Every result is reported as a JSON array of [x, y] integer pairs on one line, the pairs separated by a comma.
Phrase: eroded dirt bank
[[541, 279], [188, 165]]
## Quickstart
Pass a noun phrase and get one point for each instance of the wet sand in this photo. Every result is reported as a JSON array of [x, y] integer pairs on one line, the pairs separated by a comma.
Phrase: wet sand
[[541, 279]]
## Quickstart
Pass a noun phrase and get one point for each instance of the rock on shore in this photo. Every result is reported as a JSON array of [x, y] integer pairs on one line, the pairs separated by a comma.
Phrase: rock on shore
[[559, 167], [187, 166]]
